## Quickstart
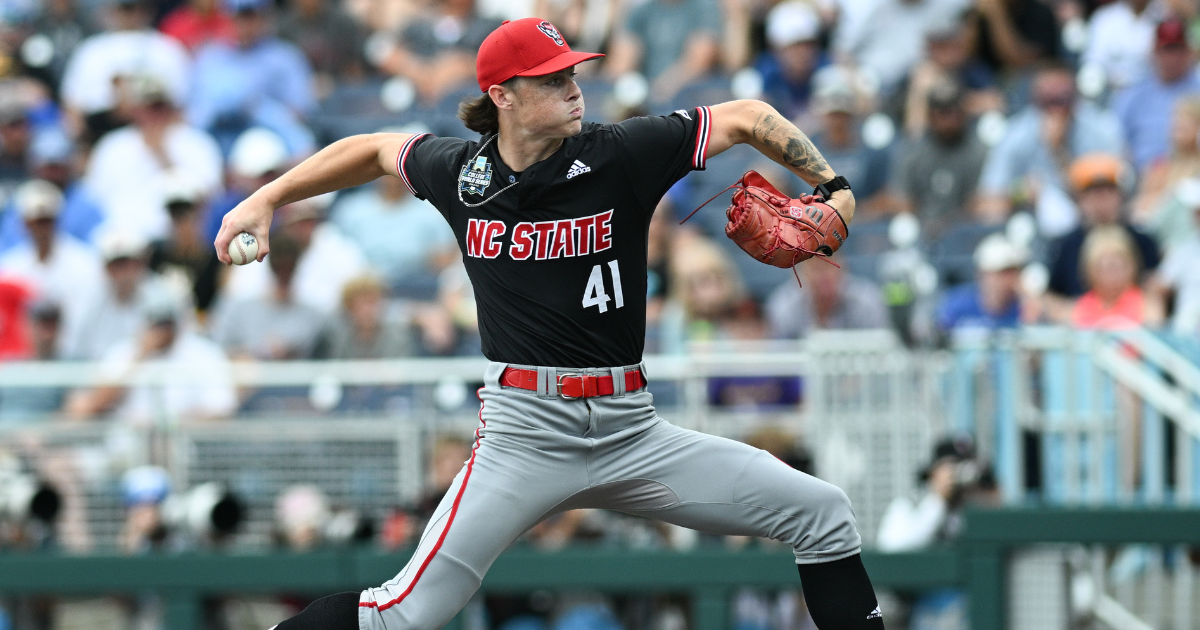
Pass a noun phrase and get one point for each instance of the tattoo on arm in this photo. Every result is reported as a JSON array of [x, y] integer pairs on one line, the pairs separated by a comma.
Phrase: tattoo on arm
[[791, 145]]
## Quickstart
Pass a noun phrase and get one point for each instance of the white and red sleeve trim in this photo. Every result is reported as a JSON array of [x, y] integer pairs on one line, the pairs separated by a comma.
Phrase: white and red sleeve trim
[[403, 156], [703, 131]]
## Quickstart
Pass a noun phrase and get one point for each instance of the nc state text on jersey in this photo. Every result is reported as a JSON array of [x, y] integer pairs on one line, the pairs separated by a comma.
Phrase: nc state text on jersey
[[542, 240]]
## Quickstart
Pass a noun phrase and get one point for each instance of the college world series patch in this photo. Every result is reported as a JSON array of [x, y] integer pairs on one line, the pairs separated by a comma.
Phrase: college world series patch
[[475, 177]]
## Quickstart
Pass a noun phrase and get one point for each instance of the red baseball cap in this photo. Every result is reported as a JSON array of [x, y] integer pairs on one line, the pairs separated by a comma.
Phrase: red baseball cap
[[1171, 33], [528, 47]]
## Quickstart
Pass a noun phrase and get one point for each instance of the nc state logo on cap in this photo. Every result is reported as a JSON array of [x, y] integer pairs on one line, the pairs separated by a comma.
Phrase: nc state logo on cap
[[552, 33]]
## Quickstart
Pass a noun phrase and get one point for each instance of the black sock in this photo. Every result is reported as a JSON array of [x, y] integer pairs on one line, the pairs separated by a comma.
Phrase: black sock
[[336, 612], [839, 595]]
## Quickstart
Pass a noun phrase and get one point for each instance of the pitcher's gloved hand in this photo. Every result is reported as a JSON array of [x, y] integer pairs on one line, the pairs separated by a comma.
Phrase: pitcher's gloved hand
[[778, 230]]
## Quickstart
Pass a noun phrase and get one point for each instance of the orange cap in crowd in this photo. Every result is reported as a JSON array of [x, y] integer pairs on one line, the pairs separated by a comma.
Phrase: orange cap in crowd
[[1095, 169]]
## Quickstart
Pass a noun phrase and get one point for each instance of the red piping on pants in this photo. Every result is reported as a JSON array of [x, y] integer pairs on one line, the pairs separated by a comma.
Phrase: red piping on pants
[[453, 511]]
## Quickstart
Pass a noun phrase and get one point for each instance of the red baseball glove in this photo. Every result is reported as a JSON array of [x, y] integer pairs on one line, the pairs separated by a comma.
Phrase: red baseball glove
[[778, 230]]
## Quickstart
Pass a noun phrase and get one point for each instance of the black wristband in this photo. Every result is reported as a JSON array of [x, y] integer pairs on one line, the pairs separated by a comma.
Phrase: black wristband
[[831, 186]]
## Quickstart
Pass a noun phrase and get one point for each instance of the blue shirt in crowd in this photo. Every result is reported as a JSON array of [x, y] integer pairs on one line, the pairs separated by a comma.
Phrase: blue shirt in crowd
[[1145, 110], [961, 308], [268, 84], [397, 237], [1023, 152], [79, 217]]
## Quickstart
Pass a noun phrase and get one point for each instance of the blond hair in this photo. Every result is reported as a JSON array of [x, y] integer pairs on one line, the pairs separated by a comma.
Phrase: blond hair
[[360, 286], [1103, 240], [695, 254]]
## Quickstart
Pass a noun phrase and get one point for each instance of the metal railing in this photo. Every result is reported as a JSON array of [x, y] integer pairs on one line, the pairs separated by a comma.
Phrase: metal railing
[[870, 410], [1106, 417]]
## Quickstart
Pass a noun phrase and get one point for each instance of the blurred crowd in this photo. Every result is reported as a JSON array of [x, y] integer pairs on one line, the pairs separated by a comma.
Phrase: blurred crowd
[[1015, 162]]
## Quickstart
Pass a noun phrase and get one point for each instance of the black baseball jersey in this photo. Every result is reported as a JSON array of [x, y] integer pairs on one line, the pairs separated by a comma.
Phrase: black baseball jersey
[[558, 261]]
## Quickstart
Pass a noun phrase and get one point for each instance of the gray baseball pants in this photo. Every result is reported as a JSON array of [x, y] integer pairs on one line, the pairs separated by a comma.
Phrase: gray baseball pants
[[537, 454]]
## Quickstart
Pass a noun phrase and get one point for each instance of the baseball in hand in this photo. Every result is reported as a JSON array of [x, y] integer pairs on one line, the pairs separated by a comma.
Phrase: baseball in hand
[[243, 249]]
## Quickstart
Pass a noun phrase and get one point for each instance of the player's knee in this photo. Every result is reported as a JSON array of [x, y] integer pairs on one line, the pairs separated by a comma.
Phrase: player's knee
[[831, 530]]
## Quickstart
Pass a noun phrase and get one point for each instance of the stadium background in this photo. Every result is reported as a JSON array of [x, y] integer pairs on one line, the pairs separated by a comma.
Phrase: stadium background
[[1002, 373]]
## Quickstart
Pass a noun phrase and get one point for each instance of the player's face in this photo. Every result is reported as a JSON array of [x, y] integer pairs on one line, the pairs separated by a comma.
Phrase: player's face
[[549, 105]]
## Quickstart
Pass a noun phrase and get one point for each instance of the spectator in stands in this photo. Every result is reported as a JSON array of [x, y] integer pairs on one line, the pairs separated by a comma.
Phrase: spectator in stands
[[671, 42], [327, 260], [274, 325], [949, 60], [1146, 107], [403, 238], [15, 297], [368, 326], [1013, 35], [301, 514], [1114, 301], [34, 404], [186, 254], [65, 24], [454, 329], [892, 40], [102, 62], [1161, 206], [1121, 38], [260, 80], [445, 460], [1042, 140], [585, 24], [436, 50], [129, 167], [331, 40], [56, 265], [661, 239], [143, 490], [1177, 281], [708, 296], [15, 138], [994, 299], [112, 312], [198, 22], [832, 299], [936, 177], [839, 103], [793, 56], [1096, 180], [956, 476], [199, 378], [53, 157], [258, 156]]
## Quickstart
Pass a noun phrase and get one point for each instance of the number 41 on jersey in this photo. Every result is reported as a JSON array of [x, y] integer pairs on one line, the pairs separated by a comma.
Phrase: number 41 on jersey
[[595, 295]]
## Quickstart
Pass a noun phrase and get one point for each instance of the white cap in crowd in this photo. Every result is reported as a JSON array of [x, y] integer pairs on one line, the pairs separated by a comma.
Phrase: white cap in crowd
[[159, 305], [147, 89], [997, 253], [179, 187], [835, 90], [116, 243], [257, 152], [39, 199], [792, 22]]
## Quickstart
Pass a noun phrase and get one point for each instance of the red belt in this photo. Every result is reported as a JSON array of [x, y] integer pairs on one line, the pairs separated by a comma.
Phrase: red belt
[[572, 386]]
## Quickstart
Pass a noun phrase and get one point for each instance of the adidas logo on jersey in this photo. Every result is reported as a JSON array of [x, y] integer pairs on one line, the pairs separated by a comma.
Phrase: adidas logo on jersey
[[875, 614], [578, 168]]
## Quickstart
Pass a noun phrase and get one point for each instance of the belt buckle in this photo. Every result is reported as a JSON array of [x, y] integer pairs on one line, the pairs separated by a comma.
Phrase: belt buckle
[[560, 391]]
